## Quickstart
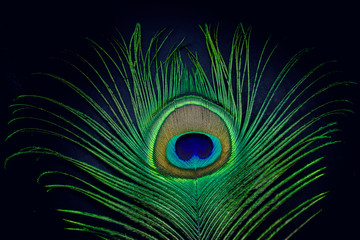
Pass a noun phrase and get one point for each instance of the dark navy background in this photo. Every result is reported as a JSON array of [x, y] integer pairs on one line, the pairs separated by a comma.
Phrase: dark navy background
[[31, 32]]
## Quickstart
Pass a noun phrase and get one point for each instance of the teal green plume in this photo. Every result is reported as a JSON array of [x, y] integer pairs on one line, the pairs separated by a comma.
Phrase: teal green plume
[[191, 153]]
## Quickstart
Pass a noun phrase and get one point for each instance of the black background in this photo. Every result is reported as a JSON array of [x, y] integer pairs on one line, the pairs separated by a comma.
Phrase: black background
[[33, 31]]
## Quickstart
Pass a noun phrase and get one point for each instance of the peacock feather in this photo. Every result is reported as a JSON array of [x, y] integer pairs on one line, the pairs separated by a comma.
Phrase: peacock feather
[[187, 153]]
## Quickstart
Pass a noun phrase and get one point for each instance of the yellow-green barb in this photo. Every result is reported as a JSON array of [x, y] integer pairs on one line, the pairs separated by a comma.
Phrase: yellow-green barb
[[264, 158]]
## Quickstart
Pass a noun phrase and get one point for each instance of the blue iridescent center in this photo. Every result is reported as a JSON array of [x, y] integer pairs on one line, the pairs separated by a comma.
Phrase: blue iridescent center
[[193, 150]]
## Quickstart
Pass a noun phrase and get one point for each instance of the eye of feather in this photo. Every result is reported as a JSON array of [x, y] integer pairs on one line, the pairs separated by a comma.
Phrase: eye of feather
[[192, 137]]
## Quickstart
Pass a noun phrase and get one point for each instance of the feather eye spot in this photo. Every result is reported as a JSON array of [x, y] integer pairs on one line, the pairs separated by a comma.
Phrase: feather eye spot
[[191, 138]]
